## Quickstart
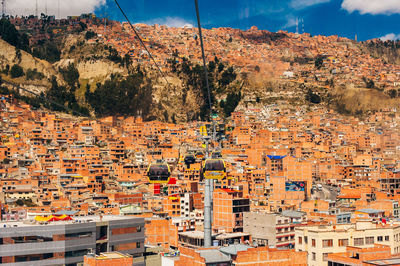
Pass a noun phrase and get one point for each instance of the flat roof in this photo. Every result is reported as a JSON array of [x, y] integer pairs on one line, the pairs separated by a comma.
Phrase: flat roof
[[77, 219], [194, 234], [370, 211], [111, 255], [394, 261], [234, 249], [213, 256]]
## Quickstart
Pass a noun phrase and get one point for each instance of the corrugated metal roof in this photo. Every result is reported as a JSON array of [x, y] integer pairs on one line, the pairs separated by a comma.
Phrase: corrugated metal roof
[[276, 157]]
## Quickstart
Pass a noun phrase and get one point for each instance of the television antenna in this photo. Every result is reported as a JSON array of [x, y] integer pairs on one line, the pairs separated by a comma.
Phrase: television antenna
[[3, 7]]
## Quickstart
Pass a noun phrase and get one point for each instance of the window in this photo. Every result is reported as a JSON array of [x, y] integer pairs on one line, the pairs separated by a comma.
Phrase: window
[[369, 240], [343, 242], [313, 242], [380, 238], [325, 256], [327, 243], [306, 239], [300, 240], [386, 238], [313, 255], [358, 241]]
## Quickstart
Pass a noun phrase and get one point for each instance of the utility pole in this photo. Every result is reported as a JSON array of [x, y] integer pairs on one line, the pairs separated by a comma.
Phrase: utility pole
[[36, 9], [45, 10], [59, 17]]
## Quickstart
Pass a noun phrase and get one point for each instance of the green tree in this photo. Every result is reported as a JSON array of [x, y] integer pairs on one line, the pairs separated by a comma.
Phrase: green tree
[[10, 34], [232, 101], [47, 50], [392, 93], [89, 35], [70, 75], [369, 83], [319, 61], [16, 71], [127, 60], [313, 97], [132, 95]]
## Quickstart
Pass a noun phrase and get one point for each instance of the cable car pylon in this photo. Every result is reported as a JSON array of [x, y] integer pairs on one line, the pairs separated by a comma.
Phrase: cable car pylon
[[209, 183]]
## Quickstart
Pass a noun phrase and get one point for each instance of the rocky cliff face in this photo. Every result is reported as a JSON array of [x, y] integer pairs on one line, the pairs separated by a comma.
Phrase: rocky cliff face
[[9, 56]]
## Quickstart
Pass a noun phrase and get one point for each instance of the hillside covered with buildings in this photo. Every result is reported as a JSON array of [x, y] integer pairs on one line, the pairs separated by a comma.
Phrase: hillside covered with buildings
[[84, 56], [308, 135]]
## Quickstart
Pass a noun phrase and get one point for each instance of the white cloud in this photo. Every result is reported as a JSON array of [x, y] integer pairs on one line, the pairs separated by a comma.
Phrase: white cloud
[[290, 23], [299, 4], [174, 22], [373, 7], [390, 37], [66, 8]]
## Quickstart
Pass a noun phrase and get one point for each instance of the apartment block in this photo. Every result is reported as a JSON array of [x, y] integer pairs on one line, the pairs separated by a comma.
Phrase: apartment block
[[67, 242], [321, 240], [271, 229]]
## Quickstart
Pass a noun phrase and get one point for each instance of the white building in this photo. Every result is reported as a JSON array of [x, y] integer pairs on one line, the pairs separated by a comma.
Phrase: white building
[[321, 240]]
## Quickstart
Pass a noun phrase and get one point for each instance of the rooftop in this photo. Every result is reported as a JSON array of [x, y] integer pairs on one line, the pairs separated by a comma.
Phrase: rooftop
[[213, 256], [110, 255], [394, 261], [78, 219], [234, 249]]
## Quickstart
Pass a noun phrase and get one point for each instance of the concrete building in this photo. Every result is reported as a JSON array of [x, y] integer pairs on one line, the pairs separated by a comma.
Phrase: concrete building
[[186, 205], [376, 255], [271, 229], [67, 242], [321, 240]]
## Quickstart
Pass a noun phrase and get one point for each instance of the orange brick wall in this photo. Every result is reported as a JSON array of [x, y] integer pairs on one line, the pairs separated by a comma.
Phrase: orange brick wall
[[270, 257], [108, 262]]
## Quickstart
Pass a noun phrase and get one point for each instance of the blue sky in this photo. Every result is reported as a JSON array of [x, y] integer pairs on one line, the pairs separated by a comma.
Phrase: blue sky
[[366, 18]]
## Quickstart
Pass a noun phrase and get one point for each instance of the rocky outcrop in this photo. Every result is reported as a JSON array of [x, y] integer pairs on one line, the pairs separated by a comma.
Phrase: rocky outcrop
[[9, 56]]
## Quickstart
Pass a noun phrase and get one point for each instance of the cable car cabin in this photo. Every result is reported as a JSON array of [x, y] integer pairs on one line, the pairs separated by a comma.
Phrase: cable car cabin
[[199, 155], [189, 159], [216, 155], [214, 169], [158, 173]]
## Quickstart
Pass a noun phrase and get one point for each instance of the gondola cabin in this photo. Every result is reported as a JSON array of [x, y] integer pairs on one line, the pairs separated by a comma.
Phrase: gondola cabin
[[216, 155], [199, 155], [214, 169], [158, 173], [189, 159]]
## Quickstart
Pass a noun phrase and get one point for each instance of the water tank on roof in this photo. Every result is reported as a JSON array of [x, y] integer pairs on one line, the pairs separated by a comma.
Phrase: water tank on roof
[[215, 243]]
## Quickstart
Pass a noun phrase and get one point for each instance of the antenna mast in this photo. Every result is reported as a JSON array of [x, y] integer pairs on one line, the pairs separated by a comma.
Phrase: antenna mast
[[3, 7]]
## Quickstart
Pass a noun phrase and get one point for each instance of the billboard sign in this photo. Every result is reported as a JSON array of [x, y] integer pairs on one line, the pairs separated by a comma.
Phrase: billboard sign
[[295, 186]]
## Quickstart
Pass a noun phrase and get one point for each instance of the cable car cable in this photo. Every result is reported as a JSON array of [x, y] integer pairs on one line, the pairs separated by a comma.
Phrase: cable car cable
[[203, 56], [142, 43]]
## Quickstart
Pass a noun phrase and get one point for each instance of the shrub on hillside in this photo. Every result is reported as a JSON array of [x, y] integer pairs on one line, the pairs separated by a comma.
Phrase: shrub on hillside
[[16, 71]]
